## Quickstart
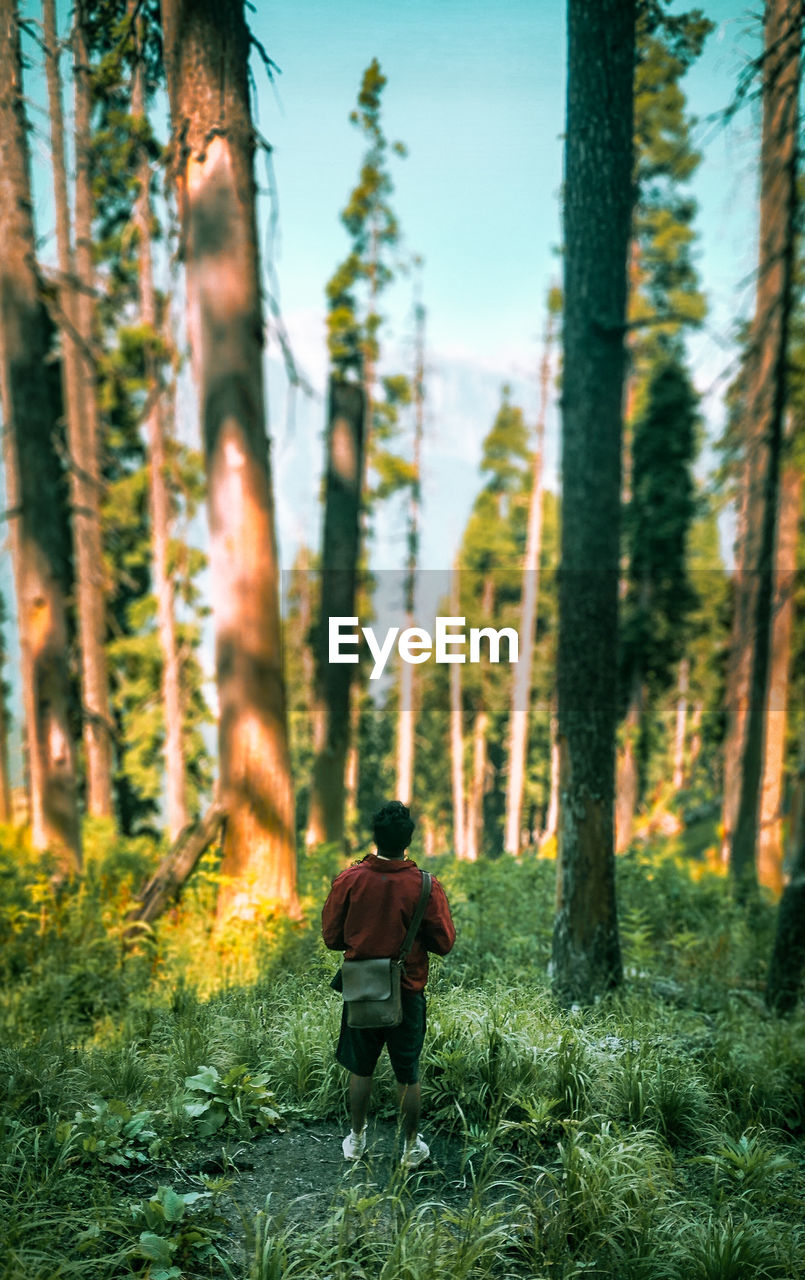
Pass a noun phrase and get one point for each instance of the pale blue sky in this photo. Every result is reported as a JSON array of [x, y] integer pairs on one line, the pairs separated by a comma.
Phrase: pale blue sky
[[477, 95]]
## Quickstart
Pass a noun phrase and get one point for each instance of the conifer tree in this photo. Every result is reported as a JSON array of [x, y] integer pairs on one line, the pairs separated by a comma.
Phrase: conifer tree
[[597, 217], [491, 553], [136, 380], [665, 300], [521, 686], [34, 480], [360, 423], [767, 393], [206, 58]]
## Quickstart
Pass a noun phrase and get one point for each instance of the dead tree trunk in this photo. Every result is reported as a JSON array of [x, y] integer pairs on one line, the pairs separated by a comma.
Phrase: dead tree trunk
[[598, 209], [767, 392], [206, 58], [34, 483]]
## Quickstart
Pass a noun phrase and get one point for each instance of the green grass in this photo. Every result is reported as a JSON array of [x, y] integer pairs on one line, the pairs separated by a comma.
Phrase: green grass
[[659, 1135]]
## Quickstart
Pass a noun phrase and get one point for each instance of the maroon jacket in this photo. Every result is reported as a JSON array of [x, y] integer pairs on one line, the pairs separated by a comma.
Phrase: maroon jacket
[[370, 907]]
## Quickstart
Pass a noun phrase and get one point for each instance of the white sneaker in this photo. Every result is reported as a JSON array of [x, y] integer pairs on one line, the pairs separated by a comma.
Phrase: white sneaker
[[354, 1145], [415, 1152]]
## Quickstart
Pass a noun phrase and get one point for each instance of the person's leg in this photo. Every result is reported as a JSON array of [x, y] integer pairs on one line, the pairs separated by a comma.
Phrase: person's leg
[[410, 1097], [360, 1089]]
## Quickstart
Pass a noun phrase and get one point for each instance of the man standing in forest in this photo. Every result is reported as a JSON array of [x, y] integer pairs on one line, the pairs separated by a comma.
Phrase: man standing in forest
[[367, 915]]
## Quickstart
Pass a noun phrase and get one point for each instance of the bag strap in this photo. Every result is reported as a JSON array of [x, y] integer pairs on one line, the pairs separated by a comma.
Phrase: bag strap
[[413, 928]]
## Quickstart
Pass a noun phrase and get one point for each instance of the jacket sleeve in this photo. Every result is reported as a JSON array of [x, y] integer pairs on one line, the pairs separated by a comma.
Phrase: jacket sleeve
[[438, 931], [333, 914]]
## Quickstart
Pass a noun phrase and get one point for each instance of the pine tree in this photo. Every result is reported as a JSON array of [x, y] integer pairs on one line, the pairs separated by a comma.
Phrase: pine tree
[[136, 377], [34, 480], [597, 217], [766, 394], [360, 424], [665, 299], [521, 689], [491, 553], [206, 58]]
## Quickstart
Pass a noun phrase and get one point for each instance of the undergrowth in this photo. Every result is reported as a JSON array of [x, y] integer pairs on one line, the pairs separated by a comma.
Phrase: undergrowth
[[658, 1134]]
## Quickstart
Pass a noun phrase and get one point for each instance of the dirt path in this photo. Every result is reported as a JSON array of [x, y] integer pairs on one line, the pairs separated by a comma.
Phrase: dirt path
[[297, 1175]]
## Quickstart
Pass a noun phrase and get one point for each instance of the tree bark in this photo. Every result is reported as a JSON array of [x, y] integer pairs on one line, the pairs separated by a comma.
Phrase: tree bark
[[474, 825], [521, 687], [552, 816], [31, 410], [457, 736], [85, 460], [626, 774], [158, 495], [767, 393], [206, 59], [681, 724], [405, 733], [6, 810], [770, 835], [333, 681], [597, 219], [788, 953]]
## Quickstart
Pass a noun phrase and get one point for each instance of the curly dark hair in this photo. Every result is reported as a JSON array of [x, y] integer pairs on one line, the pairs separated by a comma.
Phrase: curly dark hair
[[393, 828]]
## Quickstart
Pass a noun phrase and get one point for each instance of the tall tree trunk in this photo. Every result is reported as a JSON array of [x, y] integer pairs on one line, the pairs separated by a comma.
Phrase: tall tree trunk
[[31, 410], [521, 687], [85, 454], [739, 670], [627, 771], [158, 495], [770, 835], [405, 732], [206, 58], [6, 811], [342, 503], [598, 207], [474, 823], [552, 816], [457, 735], [681, 724], [788, 953], [767, 392]]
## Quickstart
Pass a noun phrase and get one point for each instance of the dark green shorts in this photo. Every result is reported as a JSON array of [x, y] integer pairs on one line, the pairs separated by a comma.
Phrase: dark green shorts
[[360, 1047]]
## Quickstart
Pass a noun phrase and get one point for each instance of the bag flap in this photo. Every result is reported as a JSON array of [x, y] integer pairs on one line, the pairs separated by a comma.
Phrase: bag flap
[[367, 979]]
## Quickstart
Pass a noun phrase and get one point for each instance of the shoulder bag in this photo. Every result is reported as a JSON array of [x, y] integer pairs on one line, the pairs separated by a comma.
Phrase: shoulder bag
[[371, 988]]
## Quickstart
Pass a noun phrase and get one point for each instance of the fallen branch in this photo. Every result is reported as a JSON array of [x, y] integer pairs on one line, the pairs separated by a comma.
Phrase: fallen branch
[[165, 884]]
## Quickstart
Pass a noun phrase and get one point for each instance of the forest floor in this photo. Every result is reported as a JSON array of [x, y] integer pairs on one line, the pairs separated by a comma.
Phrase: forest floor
[[297, 1175]]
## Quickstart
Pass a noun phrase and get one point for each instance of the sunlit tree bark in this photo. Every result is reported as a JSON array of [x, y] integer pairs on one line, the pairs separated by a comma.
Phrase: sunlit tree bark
[[770, 835], [597, 217], [206, 57], [766, 394], [31, 408]]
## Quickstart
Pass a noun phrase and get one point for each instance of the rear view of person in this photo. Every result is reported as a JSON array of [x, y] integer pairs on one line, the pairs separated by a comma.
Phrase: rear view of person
[[367, 915]]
